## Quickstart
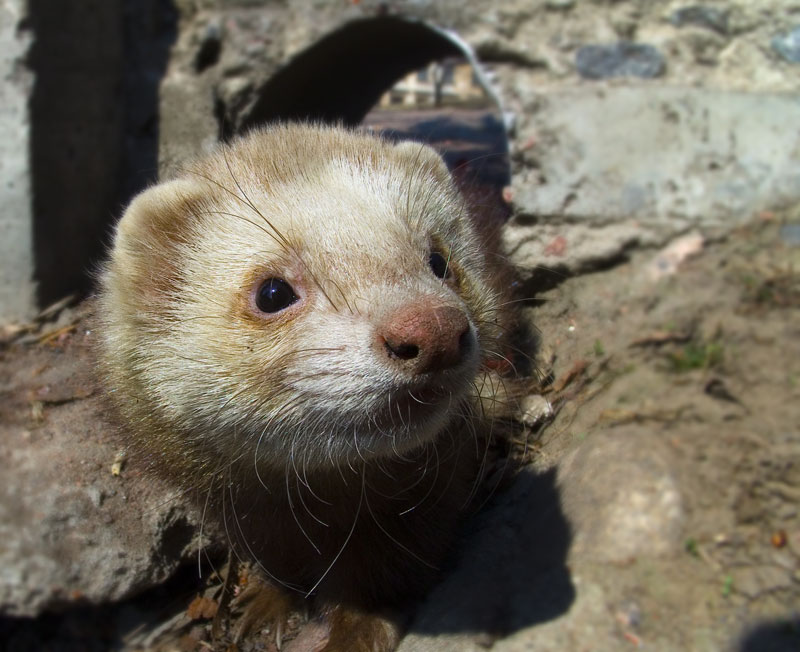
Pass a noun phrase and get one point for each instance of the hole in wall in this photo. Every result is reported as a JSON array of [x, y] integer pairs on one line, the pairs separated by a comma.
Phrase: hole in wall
[[401, 78], [445, 105]]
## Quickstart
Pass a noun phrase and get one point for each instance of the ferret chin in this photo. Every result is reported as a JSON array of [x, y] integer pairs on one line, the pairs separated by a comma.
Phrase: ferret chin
[[302, 327]]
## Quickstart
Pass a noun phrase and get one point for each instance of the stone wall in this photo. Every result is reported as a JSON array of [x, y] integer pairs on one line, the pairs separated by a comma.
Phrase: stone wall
[[633, 119]]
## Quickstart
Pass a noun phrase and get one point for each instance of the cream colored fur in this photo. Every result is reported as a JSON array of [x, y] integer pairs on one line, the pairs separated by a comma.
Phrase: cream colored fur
[[349, 222]]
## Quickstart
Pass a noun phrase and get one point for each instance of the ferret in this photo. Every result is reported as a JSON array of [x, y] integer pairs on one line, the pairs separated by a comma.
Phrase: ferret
[[306, 327]]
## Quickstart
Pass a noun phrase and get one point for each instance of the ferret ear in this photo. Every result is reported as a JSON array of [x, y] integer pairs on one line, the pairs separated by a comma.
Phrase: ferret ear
[[162, 212]]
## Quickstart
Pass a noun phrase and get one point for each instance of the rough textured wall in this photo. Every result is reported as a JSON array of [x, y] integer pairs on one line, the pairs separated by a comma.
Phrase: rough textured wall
[[16, 246], [80, 135], [599, 133], [630, 121]]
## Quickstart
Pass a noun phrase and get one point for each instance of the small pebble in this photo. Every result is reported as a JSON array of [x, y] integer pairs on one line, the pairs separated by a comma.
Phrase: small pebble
[[790, 234], [788, 45], [701, 16], [623, 59], [560, 5]]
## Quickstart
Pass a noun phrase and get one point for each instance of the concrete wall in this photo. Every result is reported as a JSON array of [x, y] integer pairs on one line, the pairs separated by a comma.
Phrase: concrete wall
[[79, 136], [16, 228]]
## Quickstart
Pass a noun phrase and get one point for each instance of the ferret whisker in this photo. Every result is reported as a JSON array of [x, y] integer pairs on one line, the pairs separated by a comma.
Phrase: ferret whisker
[[422, 475], [341, 294], [275, 235], [504, 358], [347, 539], [200, 534], [294, 513], [281, 238], [253, 223], [246, 543], [308, 484], [298, 482], [447, 262], [420, 401], [355, 444], [243, 197], [394, 539], [223, 503]]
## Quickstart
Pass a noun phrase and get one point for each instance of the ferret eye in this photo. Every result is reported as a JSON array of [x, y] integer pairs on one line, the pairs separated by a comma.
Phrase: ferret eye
[[275, 295], [439, 265]]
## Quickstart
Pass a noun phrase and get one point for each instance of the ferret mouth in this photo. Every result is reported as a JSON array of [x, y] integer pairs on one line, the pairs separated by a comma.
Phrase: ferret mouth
[[416, 405]]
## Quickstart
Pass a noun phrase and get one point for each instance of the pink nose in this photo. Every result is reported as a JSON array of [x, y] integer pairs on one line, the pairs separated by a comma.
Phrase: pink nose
[[425, 337]]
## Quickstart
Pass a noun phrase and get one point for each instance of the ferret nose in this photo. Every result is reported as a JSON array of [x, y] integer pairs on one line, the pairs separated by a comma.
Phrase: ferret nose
[[424, 337]]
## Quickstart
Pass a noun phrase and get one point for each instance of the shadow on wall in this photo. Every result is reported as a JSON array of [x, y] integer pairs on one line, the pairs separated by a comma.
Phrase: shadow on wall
[[344, 74], [341, 78], [94, 126]]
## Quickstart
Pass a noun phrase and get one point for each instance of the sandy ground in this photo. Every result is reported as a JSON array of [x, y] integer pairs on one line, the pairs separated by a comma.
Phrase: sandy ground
[[682, 365], [702, 364]]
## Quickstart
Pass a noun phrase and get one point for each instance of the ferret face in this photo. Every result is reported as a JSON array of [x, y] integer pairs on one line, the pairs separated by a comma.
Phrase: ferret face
[[304, 295]]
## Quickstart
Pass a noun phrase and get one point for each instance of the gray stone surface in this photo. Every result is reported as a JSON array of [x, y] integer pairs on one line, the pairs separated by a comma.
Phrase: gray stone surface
[[606, 167], [619, 60], [17, 291], [710, 17], [621, 493], [788, 45], [71, 531], [511, 575]]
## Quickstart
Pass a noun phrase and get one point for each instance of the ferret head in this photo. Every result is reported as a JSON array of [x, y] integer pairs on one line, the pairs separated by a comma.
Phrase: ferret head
[[303, 294]]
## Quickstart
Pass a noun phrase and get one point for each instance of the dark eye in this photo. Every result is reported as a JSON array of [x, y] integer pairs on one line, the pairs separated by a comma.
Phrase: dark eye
[[439, 265], [274, 295]]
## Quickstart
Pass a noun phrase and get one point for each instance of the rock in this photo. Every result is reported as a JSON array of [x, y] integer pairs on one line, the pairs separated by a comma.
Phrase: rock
[[621, 497], [669, 259], [752, 581], [669, 158], [71, 532], [713, 18], [623, 59], [584, 627], [540, 250], [788, 45]]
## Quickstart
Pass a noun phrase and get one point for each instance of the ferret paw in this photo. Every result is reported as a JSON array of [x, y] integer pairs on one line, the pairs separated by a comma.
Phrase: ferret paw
[[355, 631], [261, 606]]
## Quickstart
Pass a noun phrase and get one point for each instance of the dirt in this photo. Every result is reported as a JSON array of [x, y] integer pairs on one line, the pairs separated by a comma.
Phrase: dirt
[[707, 360]]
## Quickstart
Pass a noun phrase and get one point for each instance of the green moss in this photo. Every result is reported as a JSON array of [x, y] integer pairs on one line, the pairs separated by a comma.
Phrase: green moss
[[727, 586], [697, 355]]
